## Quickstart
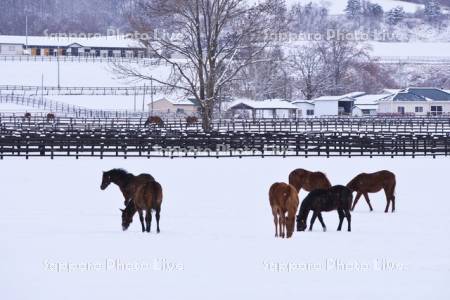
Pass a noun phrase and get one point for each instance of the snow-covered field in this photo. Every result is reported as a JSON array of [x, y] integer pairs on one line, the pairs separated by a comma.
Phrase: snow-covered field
[[217, 234]]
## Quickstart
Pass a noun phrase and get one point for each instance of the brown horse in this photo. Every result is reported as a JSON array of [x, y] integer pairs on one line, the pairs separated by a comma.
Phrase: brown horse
[[363, 184], [126, 182], [155, 120], [51, 117], [309, 181], [283, 199], [191, 120], [147, 197]]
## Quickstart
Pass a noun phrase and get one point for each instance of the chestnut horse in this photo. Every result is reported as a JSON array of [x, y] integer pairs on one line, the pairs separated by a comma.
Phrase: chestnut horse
[[191, 120], [309, 181], [363, 184], [283, 199], [335, 198], [147, 197], [126, 182], [155, 120]]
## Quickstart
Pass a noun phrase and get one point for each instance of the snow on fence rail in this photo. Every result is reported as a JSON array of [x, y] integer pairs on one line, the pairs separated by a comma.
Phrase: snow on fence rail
[[56, 107], [150, 143], [80, 90], [130, 137], [82, 59]]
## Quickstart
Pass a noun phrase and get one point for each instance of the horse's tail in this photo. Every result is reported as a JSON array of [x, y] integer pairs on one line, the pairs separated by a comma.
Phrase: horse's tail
[[156, 190]]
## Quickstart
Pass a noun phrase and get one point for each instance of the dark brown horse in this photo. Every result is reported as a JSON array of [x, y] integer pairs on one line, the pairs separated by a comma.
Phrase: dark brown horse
[[147, 197], [155, 120], [51, 117], [363, 184], [126, 182], [283, 199], [335, 198], [309, 181], [191, 120]]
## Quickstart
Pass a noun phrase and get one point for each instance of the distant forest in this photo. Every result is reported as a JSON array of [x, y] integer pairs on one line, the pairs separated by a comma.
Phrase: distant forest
[[56, 16]]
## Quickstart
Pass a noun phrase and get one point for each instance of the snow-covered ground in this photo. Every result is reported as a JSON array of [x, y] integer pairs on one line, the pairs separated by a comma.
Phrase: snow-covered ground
[[217, 234]]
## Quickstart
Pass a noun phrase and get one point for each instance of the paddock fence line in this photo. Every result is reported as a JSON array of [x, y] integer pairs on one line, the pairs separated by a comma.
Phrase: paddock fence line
[[129, 137], [80, 90]]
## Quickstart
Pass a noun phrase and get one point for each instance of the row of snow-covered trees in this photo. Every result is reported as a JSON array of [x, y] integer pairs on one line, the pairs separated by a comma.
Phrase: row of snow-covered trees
[[57, 16], [364, 10]]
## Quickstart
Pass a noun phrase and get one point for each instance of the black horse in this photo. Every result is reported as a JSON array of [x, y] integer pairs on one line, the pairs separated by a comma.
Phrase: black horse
[[335, 198]]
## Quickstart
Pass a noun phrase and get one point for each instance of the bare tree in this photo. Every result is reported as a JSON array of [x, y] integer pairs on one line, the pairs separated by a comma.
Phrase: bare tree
[[340, 52], [214, 41], [308, 67]]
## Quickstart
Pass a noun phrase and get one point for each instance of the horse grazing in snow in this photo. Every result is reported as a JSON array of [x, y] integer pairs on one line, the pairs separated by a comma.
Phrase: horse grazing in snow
[[363, 184], [283, 199], [335, 198], [147, 197]]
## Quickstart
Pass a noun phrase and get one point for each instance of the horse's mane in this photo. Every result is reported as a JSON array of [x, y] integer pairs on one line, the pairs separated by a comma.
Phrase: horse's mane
[[119, 172]]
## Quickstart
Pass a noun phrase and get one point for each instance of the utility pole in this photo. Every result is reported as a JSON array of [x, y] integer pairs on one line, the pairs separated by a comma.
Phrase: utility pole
[[143, 99], [151, 91], [59, 78], [135, 95], [26, 34], [42, 89]]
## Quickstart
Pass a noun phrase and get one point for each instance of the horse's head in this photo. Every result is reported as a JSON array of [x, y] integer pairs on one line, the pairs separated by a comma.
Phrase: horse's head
[[127, 219], [106, 180], [301, 224]]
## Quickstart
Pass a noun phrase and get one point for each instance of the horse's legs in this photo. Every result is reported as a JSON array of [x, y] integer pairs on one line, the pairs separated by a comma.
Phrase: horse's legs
[[275, 221], [393, 203], [141, 218], [313, 219], [158, 216], [349, 220], [319, 215], [366, 195], [358, 195], [282, 224], [341, 219], [390, 197], [148, 220]]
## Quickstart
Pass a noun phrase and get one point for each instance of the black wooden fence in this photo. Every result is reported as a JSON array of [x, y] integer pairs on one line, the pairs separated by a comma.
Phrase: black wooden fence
[[114, 137]]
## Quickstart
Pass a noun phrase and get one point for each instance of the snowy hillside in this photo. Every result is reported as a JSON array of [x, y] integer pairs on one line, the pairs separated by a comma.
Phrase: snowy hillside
[[217, 234]]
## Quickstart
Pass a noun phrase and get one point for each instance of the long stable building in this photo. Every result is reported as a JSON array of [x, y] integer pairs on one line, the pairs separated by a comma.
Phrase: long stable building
[[105, 46]]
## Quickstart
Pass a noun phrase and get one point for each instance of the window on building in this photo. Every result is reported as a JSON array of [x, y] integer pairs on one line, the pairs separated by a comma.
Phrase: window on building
[[436, 110], [310, 112], [11, 48], [180, 111], [401, 110], [419, 109]]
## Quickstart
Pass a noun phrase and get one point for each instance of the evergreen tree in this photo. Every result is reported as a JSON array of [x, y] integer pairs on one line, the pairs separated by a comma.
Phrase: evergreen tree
[[353, 9], [395, 15], [432, 11]]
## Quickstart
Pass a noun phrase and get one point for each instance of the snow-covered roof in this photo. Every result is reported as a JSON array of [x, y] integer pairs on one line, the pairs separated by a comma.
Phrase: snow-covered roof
[[310, 102], [367, 106], [419, 94], [94, 42], [266, 104], [370, 99], [175, 101]]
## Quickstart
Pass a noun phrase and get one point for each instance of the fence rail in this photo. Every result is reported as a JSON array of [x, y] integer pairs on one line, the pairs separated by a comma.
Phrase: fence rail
[[81, 59], [129, 137], [80, 90]]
